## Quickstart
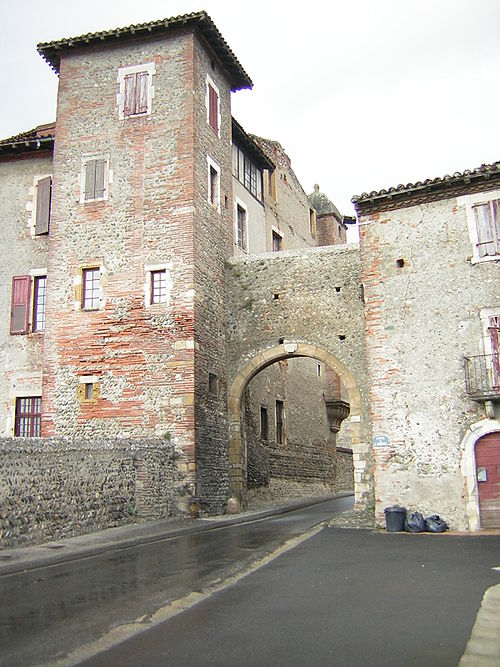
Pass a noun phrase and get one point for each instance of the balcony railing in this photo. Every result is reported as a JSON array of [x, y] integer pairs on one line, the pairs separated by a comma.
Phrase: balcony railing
[[482, 377]]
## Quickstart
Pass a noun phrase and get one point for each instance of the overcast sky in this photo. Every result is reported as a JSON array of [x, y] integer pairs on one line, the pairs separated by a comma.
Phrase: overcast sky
[[362, 94]]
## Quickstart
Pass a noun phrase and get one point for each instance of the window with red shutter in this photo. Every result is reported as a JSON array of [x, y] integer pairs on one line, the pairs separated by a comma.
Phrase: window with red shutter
[[213, 108], [20, 306]]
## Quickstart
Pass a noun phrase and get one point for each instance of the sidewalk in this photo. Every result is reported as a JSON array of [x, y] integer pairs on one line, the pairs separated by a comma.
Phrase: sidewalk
[[18, 559]]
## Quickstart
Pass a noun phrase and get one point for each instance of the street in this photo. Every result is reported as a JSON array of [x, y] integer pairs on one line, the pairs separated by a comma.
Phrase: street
[[340, 597], [50, 611]]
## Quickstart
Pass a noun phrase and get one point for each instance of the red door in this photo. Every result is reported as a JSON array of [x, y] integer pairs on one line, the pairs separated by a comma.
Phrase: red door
[[488, 479]]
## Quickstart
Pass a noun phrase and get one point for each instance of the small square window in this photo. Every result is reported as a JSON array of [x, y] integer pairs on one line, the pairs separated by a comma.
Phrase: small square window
[[91, 293], [28, 417]]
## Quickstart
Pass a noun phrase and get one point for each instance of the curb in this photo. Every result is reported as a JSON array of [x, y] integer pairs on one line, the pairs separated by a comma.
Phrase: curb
[[20, 559]]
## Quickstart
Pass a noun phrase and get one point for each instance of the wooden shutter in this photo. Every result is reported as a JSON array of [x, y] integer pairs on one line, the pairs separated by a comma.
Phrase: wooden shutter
[[129, 94], [494, 332], [141, 92], [213, 116], [90, 179], [484, 228], [43, 205], [19, 315], [99, 187]]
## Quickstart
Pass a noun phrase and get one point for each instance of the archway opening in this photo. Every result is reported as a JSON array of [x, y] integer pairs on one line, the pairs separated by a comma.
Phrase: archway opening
[[282, 439]]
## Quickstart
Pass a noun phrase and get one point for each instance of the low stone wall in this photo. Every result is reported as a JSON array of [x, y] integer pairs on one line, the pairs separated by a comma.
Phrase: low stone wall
[[302, 463], [344, 470], [54, 487]]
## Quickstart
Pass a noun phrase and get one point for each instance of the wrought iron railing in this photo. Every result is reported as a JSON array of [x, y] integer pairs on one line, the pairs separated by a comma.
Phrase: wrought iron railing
[[482, 377]]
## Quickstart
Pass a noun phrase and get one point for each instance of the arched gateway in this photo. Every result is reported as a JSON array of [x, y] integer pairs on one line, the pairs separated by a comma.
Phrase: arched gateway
[[260, 361], [304, 304]]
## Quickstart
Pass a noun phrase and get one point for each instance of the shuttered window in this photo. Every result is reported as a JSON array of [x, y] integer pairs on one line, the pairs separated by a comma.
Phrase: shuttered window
[[136, 94], [95, 179], [43, 195], [487, 219], [20, 305], [28, 417], [213, 109]]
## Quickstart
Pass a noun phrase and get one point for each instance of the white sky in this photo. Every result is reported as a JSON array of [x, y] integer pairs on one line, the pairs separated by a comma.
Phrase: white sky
[[362, 94]]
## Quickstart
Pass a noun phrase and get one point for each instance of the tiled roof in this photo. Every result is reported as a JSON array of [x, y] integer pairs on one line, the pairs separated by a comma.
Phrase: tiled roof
[[428, 190], [199, 21], [40, 137]]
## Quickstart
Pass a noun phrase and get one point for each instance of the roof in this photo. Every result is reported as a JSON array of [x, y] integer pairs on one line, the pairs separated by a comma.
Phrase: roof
[[39, 138], [431, 189], [251, 147], [198, 21], [322, 204]]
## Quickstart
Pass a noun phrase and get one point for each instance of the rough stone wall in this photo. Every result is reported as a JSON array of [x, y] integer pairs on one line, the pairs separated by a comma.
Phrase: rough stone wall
[[422, 317], [344, 470], [289, 211], [20, 355], [312, 296], [53, 488], [143, 356], [213, 243], [329, 230], [307, 434]]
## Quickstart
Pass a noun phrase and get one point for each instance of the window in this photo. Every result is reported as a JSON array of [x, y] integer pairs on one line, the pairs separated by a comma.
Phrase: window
[[39, 296], [136, 90], [212, 384], [487, 223], [159, 286], [247, 173], [483, 221], [95, 179], [312, 222], [91, 292], [213, 183], [89, 389], [43, 197], [264, 424], [213, 108], [20, 304], [241, 227], [280, 426], [277, 241], [28, 417]]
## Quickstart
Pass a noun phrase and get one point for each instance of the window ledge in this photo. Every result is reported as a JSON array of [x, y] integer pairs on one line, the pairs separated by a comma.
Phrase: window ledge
[[487, 258]]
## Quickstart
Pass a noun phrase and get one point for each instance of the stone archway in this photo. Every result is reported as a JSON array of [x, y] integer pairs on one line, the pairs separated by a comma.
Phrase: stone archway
[[468, 465], [262, 360]]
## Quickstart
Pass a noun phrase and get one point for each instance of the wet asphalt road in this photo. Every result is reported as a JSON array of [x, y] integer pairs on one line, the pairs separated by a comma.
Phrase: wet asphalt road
[[47, 612], [342, 598]]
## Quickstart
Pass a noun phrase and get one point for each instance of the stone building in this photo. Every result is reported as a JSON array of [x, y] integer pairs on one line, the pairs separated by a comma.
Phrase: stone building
[[429, 257], [122, 217]]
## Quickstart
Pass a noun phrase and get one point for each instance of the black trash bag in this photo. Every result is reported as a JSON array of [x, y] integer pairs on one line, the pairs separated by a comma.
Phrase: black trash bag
[[415, 523], [435, 524]]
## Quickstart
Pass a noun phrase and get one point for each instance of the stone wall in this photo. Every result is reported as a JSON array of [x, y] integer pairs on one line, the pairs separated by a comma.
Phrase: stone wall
[[24, 254], [306, 303], [344, 469], [53, 488], [424, 299]]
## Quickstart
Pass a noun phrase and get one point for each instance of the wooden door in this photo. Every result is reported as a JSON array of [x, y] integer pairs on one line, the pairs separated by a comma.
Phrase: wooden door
[[488, 479]]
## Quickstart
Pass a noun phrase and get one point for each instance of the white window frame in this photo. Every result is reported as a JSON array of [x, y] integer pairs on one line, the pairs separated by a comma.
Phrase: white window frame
[[149, 269], [108, 177], [212, 83], [469, 201], [149, 68], [34, 274], [215, 166], [239, 202], [78, 287]]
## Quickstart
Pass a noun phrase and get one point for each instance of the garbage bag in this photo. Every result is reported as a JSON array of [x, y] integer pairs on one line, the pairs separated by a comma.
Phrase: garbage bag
[[434, 524], [415, 523]]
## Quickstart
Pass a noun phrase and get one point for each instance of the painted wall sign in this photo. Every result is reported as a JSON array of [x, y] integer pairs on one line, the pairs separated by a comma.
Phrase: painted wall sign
[[380, 440]]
